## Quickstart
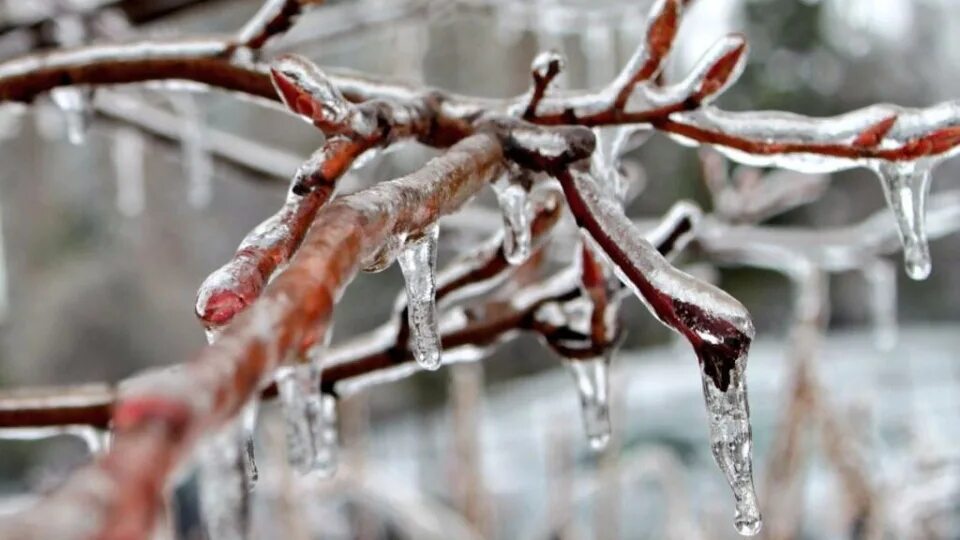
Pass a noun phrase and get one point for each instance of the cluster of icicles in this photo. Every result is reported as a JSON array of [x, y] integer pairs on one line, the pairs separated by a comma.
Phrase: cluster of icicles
[[227, 467]]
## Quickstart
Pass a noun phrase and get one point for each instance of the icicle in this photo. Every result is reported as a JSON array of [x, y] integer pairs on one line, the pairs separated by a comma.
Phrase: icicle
[[311, 421], [4, 285], [196, 158], [517, 215], [882, 279], [730, 441], [324, 431], [224, 498], [249, 426], [96, 439], [75, 103], [297, 384], [418, 262], [128, 157], [905, 186], [590, 375]]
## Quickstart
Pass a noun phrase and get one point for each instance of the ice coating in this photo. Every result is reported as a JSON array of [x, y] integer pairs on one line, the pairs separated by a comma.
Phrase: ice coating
[[418, 263], [593, 389], [717, 326], [224, 487], [517, 216], [905, 186], [76, 105]]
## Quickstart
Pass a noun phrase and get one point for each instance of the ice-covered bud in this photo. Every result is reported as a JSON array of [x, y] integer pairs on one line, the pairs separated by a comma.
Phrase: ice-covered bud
[[720, 67], [647, 60], [306, 90], [873, 135], [546, 66]]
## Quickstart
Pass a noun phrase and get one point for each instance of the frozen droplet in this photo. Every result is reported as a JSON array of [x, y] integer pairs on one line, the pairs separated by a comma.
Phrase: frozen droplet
[[128, 154], [298, 385], [590, 376], [731, 438], [383, 257], [905, 186], [224, 489], [418, 262], [75, 103], [517, 215]]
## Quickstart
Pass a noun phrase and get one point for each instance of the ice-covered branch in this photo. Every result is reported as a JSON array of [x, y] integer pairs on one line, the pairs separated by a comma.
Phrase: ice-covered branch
[[716, 325], [352, 130], [160, 417]]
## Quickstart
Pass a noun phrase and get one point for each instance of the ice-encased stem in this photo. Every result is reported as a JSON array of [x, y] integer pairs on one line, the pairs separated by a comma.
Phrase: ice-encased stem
[[75, 104], [224, 484], [593, 388], [517, 214], [730, 442], [418, 263], [905, 186]]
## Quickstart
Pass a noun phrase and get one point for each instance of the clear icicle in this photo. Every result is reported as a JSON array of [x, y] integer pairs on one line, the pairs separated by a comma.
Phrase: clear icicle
[[128, 163], [75, 103], [224, 488], [297, 384], [96, 439], [196, 157], [249, 426], [418, 262], [326, 445], [881, 276], [905, 186], [311, 420], [517, 215], [731, 441], [593, 384]]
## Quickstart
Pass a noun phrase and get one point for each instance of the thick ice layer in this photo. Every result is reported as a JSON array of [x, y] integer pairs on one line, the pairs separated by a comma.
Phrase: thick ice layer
[[418, 262], [905, 186], [593, 384], [517, 215], [224, 486], [76, 104], [730, 442]]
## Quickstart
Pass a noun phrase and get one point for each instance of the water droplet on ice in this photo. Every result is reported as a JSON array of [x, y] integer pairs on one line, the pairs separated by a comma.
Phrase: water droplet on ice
[[418, 262]]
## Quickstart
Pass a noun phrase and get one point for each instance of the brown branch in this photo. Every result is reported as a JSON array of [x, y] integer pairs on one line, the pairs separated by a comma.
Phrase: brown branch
[[160, 417]]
